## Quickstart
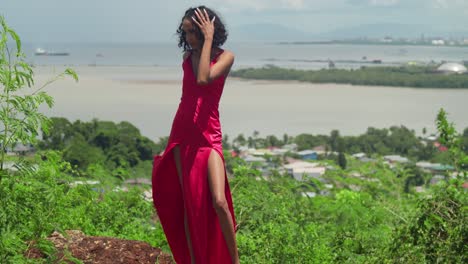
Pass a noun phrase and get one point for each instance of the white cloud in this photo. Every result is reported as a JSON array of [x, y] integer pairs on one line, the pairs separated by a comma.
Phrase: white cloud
[[296, 4], [241, 4], [261, 5], [383, 2], [374, 3], [304, 5], [236, 5], [440, 4], [463, 4]]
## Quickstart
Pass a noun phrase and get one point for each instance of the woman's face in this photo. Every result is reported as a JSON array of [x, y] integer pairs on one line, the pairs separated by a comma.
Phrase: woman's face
[[191, 35]]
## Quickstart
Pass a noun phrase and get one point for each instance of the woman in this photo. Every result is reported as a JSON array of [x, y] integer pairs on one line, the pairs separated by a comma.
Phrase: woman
[[190, 188]]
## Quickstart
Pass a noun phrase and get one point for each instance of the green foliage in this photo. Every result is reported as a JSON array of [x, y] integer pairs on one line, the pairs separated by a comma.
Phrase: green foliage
[[307, 141], [339, 146], [118, 147], [413, 176], [38, 201], [449, 137], [402, 76], [342, 160], [394, 140], [278, 224], [437, 232], [362, 227], [19, 111]]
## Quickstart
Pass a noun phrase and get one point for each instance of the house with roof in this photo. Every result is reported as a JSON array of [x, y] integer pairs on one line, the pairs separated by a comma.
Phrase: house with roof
[[320, 150], [290, 147], [138, 181], [260, 152], [395, 159], [256, 162], [363, 157], [301, 170], [434, 168], [254, 159], [359, 155], [308, 154], [20, 149], [279, 151]]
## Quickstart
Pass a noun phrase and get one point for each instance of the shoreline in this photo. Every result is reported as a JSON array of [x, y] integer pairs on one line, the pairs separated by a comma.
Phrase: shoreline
[[158, 75], [149, 99]]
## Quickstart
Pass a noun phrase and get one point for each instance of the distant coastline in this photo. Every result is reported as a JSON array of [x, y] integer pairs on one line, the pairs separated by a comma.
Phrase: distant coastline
[[400, 76], [374, 42]]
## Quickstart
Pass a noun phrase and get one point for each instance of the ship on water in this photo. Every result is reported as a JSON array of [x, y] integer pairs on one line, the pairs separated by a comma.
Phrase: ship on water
[[42, 52]]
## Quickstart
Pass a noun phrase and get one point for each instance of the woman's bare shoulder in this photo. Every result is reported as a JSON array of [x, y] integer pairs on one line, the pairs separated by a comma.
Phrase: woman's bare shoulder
[[227, 55]]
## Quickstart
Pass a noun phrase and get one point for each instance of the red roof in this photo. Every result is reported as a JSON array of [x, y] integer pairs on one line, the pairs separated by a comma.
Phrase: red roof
[[443, 148]]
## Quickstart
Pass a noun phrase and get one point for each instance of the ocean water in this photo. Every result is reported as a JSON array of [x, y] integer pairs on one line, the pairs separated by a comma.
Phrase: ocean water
[[247, 54]]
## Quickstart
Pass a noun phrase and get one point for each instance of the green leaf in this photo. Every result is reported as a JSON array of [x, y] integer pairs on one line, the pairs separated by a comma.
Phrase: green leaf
[[464, 161], [25, 77], [47, 99], [15, 101], [17, 40], [72, 73]]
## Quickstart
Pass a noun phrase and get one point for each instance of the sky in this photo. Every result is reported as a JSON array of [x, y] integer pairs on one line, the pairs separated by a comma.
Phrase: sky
[[86, 21]]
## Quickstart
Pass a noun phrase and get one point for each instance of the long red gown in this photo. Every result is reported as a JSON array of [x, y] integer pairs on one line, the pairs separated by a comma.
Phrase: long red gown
[[197, 131]]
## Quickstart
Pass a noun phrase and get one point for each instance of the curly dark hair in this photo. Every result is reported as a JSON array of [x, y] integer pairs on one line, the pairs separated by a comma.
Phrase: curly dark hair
[[220, 33]]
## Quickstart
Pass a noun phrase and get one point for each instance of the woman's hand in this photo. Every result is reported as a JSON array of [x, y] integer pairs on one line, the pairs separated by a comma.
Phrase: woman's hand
[[204, 23]]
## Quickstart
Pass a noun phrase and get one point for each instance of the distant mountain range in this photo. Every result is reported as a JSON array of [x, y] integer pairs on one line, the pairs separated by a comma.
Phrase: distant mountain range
[[274, 32], [267, 32]]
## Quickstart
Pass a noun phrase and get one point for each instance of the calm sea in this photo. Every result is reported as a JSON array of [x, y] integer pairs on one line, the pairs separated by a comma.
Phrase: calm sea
[[247, 54]]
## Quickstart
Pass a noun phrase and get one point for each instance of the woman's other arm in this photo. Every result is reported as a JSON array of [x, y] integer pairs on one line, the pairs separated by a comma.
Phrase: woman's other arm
[[222, 67]]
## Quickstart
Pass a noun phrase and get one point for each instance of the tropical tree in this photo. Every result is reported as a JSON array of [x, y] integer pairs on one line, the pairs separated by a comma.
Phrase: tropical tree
[[20, 119]]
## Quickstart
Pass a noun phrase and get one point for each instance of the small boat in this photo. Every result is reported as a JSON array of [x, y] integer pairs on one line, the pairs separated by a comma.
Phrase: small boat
[[42, 52]]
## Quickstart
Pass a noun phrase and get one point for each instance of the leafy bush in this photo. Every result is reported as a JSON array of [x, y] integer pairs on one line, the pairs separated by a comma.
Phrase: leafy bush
[[39, 200]]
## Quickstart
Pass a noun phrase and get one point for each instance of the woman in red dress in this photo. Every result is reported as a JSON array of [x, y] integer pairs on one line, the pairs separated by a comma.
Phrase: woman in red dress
[[190, 187]]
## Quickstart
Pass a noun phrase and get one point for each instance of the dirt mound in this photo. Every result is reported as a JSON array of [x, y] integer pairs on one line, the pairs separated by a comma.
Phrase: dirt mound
[[101, 250]]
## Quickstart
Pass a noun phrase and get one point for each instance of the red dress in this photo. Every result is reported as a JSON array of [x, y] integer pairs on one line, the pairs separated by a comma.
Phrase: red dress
[[197, 131]]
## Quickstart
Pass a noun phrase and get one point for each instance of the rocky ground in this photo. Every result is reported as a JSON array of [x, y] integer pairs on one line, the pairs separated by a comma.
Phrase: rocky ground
[[100, 250]]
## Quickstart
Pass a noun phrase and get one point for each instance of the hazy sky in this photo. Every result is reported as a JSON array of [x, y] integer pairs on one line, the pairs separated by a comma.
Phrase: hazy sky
[[156, 20]]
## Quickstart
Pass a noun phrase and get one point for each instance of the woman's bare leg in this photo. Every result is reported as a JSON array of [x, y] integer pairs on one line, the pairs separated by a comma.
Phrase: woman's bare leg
[[179, 173], [217, 184]]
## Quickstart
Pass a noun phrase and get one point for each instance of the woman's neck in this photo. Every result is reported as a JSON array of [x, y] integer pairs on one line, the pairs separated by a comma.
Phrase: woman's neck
[[197, 52]]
